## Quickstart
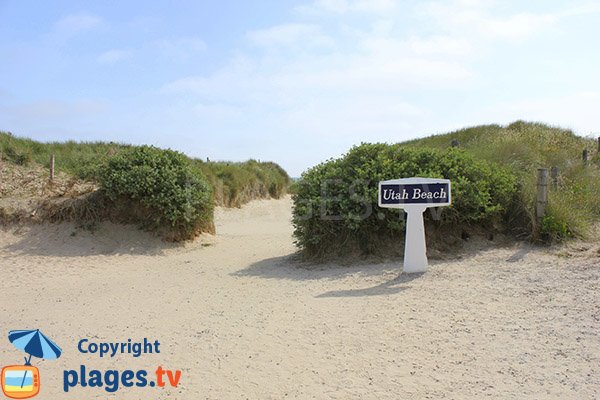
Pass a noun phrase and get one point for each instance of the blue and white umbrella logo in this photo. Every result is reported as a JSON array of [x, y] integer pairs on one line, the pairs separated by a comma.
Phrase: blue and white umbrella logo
[[34, 343]]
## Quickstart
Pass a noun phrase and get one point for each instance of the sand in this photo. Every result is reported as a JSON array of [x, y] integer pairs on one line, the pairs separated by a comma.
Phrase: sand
[[243, 319]]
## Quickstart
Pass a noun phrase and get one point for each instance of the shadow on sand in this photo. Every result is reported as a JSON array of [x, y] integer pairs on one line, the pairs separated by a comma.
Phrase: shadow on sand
[[67, 240], [392, 286], [291, 268]]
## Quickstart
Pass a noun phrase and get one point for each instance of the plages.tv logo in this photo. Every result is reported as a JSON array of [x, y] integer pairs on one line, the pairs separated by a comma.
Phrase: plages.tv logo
[[23, 381]]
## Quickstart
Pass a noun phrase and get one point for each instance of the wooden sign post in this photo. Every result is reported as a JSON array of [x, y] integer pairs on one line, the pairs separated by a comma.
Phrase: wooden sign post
[[414, 195]]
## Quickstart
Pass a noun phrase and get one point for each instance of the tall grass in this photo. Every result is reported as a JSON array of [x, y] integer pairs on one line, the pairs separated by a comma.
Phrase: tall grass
[[494, 177], [524, 147], [234, 183], [81, 159]]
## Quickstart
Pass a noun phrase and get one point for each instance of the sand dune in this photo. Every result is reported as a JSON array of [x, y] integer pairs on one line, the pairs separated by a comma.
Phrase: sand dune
[[243, 319]]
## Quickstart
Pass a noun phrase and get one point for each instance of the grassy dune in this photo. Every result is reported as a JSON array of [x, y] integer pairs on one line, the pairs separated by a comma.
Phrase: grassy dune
[[160, 190], [493, 169], [234, 183], [524, 147]]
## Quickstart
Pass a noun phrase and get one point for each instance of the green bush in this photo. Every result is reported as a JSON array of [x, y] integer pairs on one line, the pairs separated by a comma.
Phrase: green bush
[[523, 147], [554, 229], [335, 204], [233, 183], [162, 188]]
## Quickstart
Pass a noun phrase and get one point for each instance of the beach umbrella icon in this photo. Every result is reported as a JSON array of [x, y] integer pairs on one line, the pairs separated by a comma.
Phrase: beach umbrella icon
[[34, 343]]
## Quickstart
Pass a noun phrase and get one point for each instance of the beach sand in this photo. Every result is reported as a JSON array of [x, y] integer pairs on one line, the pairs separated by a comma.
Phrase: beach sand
[[243, 319]]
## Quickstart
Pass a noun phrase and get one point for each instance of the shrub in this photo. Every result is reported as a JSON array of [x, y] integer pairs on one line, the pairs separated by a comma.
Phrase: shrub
[[335, 204], [523, 147], [233, 183], [554, 229], [162, 189]]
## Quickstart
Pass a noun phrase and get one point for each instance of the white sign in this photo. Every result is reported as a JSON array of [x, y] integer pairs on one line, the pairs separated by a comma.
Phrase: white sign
[[415, 195]]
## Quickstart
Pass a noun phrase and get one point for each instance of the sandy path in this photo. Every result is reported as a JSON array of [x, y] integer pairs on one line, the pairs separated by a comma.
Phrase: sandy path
[[243, 321]]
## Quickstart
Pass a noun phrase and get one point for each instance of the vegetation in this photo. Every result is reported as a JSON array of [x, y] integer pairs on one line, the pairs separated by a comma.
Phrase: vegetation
[[493, 173], [335, 204], [79, 159], [235, 184], [524, 147], [166, 191], [163, 190]]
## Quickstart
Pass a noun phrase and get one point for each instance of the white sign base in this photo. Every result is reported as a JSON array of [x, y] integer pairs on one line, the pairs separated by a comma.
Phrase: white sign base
[[414, 195], [415, 252]]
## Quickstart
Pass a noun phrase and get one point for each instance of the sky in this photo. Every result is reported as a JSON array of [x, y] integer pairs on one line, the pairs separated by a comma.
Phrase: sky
[[295, 82]]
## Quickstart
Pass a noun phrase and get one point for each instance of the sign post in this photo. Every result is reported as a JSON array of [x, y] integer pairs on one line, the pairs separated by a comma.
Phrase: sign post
[[414, 195]]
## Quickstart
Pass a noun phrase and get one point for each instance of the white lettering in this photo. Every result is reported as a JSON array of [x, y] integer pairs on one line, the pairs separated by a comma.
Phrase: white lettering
[[424, 195], [417, 194], [385, 194]]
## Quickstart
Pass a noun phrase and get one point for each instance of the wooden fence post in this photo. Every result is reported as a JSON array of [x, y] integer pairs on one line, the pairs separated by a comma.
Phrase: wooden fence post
[[584, 156], [542, 194], [52, 167], [554, 175], [598, 144]]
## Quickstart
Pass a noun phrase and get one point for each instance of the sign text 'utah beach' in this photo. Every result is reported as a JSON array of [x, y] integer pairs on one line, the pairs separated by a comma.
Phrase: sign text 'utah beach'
[[414, 195]]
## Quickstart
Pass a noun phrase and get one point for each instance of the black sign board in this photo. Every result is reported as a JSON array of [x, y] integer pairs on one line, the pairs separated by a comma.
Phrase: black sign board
[[436, 194]]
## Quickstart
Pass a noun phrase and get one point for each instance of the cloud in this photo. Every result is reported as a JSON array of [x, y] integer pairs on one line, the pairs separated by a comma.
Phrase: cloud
[[76, 23], [217, 111], [358, 62], [440, 45], [113, 56], [371, 77], [360, 88], [354, 119], [290, 34], [517, 26], [585, 9], [347, 6], [182, 48], [241, 79], [283, 81], [483, 19]]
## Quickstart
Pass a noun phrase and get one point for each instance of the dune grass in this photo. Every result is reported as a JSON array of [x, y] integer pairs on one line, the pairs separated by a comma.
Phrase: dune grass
[[524, 147], [515, 152], [233, 183], [81, 159], [236, 183]]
